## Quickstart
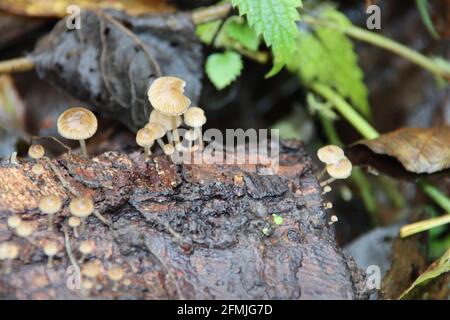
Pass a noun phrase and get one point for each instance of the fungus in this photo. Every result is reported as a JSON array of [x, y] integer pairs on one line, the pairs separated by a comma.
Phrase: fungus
[[77, 124], [158, 130], [74, 223], [326, 189], [341, 169], [329, 205], [116, 273], [50, 250], [50, 205], [195, 118], [37, 169], [14, 221], [166, 94], [165, 121], [333, 219], [92, 269], [168, 149], [81, 207], [86, 247], [330, 154], [36, 151], [8, 252], [191, 136], [146, 138], [24, 229]]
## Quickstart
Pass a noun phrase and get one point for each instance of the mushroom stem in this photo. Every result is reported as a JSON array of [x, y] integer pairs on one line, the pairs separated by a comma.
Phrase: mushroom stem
[[321, 173], [198, 131], [176, 138], [83, 147], [50, 261], [50, 222], [147, 151], [160, 143], [327, 182], [75, 232], [101, 218]]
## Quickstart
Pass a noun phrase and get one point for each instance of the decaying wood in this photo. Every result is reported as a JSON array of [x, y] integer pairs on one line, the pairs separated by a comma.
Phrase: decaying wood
[[180, 231]]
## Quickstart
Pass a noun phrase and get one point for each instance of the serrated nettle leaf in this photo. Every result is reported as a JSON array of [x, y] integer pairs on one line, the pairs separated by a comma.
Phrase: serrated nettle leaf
[[328, 56], [223, 68], [239, 30], [276, 21]]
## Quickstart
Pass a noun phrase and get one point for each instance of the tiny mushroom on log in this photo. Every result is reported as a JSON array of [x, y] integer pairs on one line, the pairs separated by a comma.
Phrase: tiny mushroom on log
[[159, 131], [168, 149], [145, 138], [166, 94], [25, 229], [195, 118], [50, 250], [330, 154], [77, 124], [81, 207], [36, 151], [74, 223], [116, 273], [86, 247], [8, 252], [37, 169], [50, 205], [340, 170], [14, 221]]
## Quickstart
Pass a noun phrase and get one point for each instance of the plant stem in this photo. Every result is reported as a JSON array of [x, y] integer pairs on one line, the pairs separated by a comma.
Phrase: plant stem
[[425, 225], [368, 132], [347, 111], [16, 65], [386, 43]]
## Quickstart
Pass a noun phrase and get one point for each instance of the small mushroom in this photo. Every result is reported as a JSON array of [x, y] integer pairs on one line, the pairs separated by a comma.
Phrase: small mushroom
[[36, 151], [146, 138], [14, 221], [326, 189], [50, 205], [92, 269], [8, 252], [191, 136], [25, 230], [50, 250], [195, 118], [341, 169], [333, 220], [330, 154], [74, 223], [158, 130], [166, 94], [37, 169], [86, 247], [169, 149], [116, 273], [81, 207], [77, 124]]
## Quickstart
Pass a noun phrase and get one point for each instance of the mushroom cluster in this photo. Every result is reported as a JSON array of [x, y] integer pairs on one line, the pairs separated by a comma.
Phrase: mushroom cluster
[[170, 108], [338, 166]]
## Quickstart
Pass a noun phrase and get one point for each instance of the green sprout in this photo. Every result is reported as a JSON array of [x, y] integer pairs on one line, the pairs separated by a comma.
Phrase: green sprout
[[277, 219]]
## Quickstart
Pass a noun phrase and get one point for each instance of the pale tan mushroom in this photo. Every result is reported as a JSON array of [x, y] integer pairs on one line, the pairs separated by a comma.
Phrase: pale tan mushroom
[[50, 205], [86, 247], [159, 132], [74, 223], [341, 169], [14, 221], [50, 250], [116, 273], [36, 151], [330, 154], [195, 117], [37, 169], [8, 252], [92, 269], [77, 124], [146, 138], [166, 94]]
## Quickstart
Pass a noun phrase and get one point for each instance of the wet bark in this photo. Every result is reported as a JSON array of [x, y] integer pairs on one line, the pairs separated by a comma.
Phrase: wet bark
[[179, 231]]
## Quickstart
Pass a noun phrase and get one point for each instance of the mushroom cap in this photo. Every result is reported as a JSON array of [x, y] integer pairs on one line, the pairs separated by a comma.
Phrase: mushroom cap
[[92, 269], [74, 222], [36, 151], [191, 135], [14, 221], [86, 247], [145, 137], [330, 154], [158, 129], [166, 95], [24, 229], [77, 124], [168, 149], [341, 169], [195, 117], [8, 251], [164, 120], [87, 284], [81, 207], [50, 248], [116, 273], [37, 169], [50, 204]]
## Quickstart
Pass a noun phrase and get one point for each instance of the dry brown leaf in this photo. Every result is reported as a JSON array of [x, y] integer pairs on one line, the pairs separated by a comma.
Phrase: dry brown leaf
[[418, 150], [58, 8]]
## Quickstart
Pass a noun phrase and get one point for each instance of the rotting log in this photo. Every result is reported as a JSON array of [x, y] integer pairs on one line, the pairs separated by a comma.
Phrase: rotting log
[[179, 231]]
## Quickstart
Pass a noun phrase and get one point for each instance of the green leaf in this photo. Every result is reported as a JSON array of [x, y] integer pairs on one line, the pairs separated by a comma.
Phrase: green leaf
[[422, 6], [223, 68], [436, 269], [276, 21], [206, 31], [239, 30], [327, 56]]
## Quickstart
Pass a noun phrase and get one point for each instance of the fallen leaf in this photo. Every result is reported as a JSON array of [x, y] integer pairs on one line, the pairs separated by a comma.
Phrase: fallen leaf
[[58, 8], [11, 116], [436, 269], [420, 151], [112, 60]]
